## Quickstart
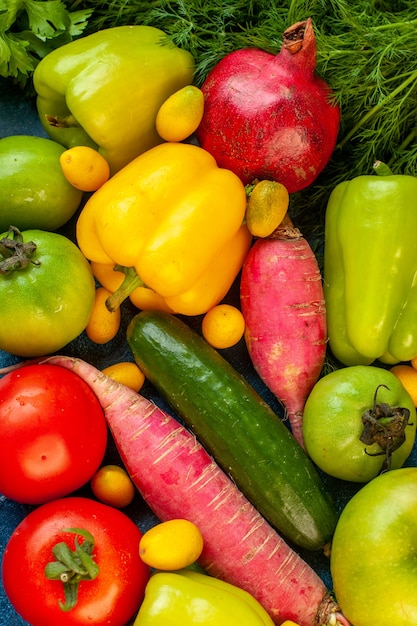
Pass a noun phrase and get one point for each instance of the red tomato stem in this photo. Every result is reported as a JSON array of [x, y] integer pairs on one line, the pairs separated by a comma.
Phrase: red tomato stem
[[72, 566]]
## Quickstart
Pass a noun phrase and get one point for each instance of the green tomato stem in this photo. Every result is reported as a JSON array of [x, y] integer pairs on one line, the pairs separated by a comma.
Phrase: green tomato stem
[[14, 253], [384, 425]]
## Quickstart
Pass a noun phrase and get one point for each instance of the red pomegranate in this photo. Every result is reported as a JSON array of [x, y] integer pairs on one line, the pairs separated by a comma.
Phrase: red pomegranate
[[271, 116]]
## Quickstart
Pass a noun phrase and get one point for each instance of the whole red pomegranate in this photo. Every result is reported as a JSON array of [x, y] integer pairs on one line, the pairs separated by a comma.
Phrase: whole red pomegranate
[[271, 116]]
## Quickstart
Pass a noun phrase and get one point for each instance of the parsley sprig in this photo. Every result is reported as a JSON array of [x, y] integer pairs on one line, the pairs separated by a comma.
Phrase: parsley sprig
[[29, 29]]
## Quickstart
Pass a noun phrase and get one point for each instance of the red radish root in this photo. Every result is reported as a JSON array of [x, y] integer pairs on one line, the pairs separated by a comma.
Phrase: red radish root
[[177, 478], [283, 305]]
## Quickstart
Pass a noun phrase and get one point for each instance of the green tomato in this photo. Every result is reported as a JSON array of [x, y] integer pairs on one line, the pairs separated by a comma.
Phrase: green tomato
[[333, 426], [373, 559], [46, 303], [34, 192]]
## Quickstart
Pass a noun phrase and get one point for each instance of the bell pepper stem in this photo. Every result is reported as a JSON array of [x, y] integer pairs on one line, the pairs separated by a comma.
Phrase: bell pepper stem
[[68, 121], [382, 169], [131, 282]]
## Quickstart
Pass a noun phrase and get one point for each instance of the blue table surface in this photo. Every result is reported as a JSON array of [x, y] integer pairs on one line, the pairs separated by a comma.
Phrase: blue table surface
[[18, 116]]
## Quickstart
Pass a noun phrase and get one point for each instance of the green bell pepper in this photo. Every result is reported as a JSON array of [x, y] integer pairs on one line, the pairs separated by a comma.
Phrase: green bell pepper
[[370, 268], [187, 597], [104, 90]]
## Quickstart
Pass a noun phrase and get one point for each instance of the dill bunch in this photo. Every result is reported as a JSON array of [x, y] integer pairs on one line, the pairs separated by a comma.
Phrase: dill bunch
[[366, 51]]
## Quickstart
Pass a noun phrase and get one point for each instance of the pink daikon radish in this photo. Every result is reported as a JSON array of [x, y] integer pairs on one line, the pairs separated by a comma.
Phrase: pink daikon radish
[[282, 301], [178, 478]]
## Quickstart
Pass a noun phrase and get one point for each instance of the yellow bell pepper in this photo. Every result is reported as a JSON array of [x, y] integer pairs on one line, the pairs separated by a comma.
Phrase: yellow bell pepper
[[208, 291], [173, 222], [186, 597]]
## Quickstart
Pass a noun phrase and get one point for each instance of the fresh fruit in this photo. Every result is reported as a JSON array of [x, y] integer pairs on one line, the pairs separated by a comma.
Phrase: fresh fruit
[[223, 326], [180, 115], [171, 545], [127, 373], [269, 116], [34, 193], [408, 376], [84, 168], [46, 291], [356, 423], [103, 325], [82, 564], [267, 205], [53, 434], [373, 558], [112, 485]]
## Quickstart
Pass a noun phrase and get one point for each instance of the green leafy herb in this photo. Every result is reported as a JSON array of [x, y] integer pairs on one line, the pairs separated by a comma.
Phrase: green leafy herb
[[29, 29]]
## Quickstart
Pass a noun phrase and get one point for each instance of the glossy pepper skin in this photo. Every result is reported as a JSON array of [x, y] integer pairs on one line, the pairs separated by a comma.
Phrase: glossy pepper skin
[[104, 90], [186, 597], [370, 265], [206, 292], [175, 218]]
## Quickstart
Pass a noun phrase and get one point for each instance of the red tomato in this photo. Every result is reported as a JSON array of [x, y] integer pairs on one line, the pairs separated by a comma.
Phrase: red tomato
[[110, 599], [53, 433]]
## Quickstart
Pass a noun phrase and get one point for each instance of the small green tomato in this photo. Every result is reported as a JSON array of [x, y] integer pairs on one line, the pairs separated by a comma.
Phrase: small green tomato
[[34, 192], [358, 421], [47, 292]]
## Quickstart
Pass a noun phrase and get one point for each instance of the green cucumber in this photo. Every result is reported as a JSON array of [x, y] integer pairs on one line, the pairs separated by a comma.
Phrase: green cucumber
[[236, 426]]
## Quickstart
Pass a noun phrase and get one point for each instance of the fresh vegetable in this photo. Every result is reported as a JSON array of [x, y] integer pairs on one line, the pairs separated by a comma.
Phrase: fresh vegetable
[[113, 276], [103, 325], [267, 206], [171, 545], [46, 290], [30, 30], [33, 190], [53, 433], [240, 430], [282, 301], [358, 422], [84, 168], [127, 373], [101, 582], [187, 598], [104, 90], [370, 262], [178, 478], [112, 485], [358, 53], [223, 326], [179, 116], [407, 374], [175, 219], [373, 558], [269, 116]]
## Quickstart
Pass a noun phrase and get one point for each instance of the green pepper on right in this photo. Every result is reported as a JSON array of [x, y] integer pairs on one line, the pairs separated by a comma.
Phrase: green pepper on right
[[370, 268]]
